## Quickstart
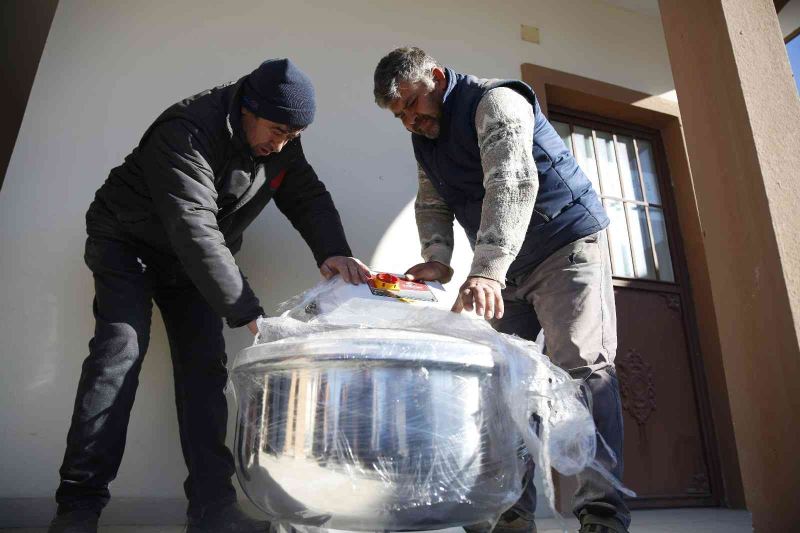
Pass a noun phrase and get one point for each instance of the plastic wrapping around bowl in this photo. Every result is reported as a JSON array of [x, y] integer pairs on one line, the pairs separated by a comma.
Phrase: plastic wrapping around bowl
[[355, 412], [375, 429]]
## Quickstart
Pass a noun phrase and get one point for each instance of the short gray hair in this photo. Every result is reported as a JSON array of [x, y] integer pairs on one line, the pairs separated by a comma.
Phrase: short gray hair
[[409, 65]]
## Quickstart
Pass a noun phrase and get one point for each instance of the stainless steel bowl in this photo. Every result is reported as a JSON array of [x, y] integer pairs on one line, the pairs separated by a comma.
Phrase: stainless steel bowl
[[374, 430]]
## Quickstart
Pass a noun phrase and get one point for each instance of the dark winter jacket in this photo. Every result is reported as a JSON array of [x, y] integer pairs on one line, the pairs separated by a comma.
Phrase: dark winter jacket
[[191, 187]]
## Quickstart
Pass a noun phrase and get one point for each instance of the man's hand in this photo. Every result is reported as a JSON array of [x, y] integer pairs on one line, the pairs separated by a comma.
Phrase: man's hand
[[253, 327], [482, 294], [351, 269], [430, 271]]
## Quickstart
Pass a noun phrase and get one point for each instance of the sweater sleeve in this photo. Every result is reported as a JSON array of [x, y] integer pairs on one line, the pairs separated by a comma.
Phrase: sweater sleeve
[[505, 124], [434, 222]]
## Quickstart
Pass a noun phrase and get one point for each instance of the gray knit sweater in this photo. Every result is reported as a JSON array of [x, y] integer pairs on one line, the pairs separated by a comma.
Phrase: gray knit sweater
[[504, 121]]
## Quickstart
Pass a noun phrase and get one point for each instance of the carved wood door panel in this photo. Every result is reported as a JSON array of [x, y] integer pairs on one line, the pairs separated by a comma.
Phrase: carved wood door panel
[[665, 459], [668, 457]]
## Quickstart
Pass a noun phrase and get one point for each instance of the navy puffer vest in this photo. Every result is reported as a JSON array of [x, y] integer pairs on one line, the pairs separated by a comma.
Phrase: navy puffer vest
[[566, 208]]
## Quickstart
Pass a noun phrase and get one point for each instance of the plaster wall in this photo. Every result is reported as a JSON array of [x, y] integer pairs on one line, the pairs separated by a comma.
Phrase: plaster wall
[[110, 67]]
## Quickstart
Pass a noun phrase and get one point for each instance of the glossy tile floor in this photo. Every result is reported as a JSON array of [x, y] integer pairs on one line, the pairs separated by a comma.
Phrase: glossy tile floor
[[661, 521]]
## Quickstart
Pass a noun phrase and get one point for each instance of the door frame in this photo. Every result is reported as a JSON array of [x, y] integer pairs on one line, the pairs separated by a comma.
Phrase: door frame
[[633, 109]]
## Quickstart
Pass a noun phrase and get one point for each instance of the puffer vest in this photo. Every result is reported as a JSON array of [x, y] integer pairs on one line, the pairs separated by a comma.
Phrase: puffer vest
[[567, 207]]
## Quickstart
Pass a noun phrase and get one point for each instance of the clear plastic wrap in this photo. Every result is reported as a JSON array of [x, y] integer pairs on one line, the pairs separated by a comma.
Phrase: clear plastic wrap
[[376, 414]]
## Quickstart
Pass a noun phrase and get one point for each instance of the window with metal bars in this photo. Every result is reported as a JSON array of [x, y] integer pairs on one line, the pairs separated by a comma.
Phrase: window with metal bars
[[622, 170]]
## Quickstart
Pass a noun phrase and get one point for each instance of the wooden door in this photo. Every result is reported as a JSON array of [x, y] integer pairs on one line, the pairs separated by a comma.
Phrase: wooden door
[[669, 459]]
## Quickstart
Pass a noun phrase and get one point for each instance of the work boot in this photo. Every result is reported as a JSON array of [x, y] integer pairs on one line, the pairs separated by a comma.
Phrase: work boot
[[77, 521], [594, 523], [226, 518], [509, 522]]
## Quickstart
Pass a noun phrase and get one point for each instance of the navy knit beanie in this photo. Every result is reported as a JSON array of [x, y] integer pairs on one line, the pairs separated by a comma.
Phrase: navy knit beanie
[[279, 91]]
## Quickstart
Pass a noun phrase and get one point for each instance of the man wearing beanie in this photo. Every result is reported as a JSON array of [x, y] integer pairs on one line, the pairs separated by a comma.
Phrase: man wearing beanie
[[488, 158], [164, 227]]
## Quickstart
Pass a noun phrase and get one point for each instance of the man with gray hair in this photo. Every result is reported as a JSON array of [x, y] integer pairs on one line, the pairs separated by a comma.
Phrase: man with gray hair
[[488, 157]]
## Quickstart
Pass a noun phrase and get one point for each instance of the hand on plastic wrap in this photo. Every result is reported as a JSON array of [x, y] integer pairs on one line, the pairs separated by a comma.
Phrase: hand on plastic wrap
[[484, 295], [430, 271], [253, 327], [351, 269]]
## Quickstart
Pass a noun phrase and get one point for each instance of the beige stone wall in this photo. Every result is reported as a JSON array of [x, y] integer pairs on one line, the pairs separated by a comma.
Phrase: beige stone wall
[[741, 117]]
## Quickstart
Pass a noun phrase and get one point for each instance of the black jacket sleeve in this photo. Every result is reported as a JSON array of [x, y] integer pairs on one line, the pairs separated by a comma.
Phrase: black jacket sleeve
[[174, 160], [305, 201]]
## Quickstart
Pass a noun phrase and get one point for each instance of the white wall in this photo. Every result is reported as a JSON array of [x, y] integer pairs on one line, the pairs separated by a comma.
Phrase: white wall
[[109, 68]]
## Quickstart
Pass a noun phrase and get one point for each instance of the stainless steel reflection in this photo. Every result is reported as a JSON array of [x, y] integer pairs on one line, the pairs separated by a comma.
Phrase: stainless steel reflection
[[373, 432]]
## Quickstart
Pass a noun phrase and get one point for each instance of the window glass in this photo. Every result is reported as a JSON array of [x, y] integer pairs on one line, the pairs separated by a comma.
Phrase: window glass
[[640, 242], [649, 175], [631, 185], [584, 154], [621, 258], [623, 172], [609, 174], [563, 132], [665, 272]]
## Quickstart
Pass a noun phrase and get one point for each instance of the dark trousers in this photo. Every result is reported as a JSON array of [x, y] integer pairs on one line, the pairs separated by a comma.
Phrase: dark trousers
[[127, 281]]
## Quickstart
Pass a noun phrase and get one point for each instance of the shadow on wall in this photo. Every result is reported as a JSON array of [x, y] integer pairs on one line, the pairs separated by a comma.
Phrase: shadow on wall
[[399, 248], [384, 236]]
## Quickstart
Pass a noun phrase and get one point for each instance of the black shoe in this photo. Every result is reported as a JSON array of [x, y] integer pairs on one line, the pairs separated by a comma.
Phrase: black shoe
[[509, 522], [228, 518], [601, 524], [78, 521]]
